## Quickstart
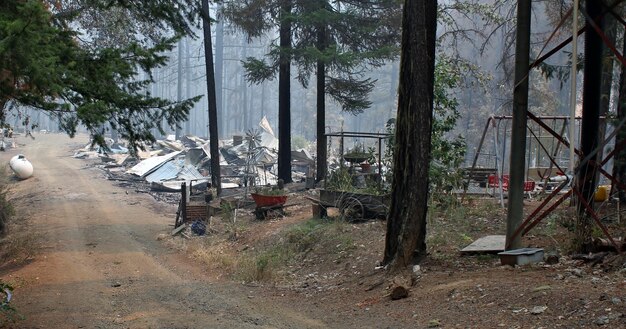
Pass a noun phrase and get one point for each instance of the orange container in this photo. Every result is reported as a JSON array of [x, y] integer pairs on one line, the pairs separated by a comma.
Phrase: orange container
[[602, 193]]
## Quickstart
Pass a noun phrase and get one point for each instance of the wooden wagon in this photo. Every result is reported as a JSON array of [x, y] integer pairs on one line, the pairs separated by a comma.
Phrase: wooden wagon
[[353, 206]]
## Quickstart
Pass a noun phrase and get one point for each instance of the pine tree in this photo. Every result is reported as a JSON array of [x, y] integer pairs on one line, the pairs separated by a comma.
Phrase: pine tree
[[46, 64], [336, 41]]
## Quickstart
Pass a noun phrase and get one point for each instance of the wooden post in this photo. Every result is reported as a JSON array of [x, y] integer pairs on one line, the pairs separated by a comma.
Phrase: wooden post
[[183, 201]]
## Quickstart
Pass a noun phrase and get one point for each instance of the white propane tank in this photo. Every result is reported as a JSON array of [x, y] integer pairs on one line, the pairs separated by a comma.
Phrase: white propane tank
[[13, 159], [21, 167]]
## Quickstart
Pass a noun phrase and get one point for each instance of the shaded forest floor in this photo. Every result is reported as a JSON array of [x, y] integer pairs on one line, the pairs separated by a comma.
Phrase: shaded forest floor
[[333, 264]]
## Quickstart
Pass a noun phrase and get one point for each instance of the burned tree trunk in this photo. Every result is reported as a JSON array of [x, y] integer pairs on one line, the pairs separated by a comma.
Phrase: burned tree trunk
[[210, 83], [219, 71], [284, 96], [586, 180], [321, 106], [406, 225]]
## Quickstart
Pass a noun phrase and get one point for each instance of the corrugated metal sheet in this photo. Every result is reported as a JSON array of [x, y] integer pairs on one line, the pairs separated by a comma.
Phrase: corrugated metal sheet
[[263, 156], [231, 157], [167, 171], [146, 166], [189, 172]]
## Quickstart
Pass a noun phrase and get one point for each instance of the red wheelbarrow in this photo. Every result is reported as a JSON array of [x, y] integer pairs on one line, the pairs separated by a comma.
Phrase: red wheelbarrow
[[268, 203]]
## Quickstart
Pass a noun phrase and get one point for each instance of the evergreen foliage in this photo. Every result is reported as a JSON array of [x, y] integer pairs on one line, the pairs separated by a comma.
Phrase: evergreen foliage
[[46, 65], [346, 36], [448, 153], [118, 20]]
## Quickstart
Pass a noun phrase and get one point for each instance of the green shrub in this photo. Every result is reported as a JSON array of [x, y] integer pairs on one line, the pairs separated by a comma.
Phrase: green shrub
[[340, 180]]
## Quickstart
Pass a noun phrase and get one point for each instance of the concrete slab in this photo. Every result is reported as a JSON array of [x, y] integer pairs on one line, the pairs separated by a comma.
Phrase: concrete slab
[[487, 244]]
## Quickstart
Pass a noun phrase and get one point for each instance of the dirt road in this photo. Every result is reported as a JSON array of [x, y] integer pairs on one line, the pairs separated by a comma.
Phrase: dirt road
[[99, 264]]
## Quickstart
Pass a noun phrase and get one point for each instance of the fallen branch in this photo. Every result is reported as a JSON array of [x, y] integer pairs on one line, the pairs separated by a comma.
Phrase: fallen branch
[[594, 259]]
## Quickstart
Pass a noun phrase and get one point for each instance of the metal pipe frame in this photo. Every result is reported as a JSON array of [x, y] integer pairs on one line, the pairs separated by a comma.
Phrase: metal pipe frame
[[529, 223]]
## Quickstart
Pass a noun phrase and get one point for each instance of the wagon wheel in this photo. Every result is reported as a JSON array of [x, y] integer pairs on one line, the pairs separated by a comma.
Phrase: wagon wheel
[[260, 214], [352, 209], [275, 213]]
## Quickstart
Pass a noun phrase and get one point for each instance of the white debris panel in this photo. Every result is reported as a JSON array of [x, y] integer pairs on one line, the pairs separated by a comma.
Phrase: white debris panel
[[147, 166]]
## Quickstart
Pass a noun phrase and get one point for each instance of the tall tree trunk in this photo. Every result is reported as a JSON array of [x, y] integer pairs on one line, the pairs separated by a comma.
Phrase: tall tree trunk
[[210, 83], [219, 72], [321, 103], [179, 89], [321, 122], [244, 92], [284, 95], [586, 181], [405, 242], [188, 88]]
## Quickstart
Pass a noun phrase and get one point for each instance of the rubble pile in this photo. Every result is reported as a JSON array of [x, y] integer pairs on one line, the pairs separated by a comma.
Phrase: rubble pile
[[249, 160]]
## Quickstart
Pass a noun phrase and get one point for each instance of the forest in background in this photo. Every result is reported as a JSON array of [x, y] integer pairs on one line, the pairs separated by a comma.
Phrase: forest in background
[[475, 39]]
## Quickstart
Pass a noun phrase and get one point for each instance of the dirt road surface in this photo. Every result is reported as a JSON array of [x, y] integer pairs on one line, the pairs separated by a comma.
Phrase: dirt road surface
[[99, 263]]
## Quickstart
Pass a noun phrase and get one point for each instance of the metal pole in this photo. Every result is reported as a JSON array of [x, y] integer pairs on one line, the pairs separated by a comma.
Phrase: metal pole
[[572, 98], [498, 170], [518, 132]]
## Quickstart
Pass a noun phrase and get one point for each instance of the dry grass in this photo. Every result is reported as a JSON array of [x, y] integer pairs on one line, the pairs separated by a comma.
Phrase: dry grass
[[17, 247], [213, 255], [268, 260], [20, 245], [213, 252]]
